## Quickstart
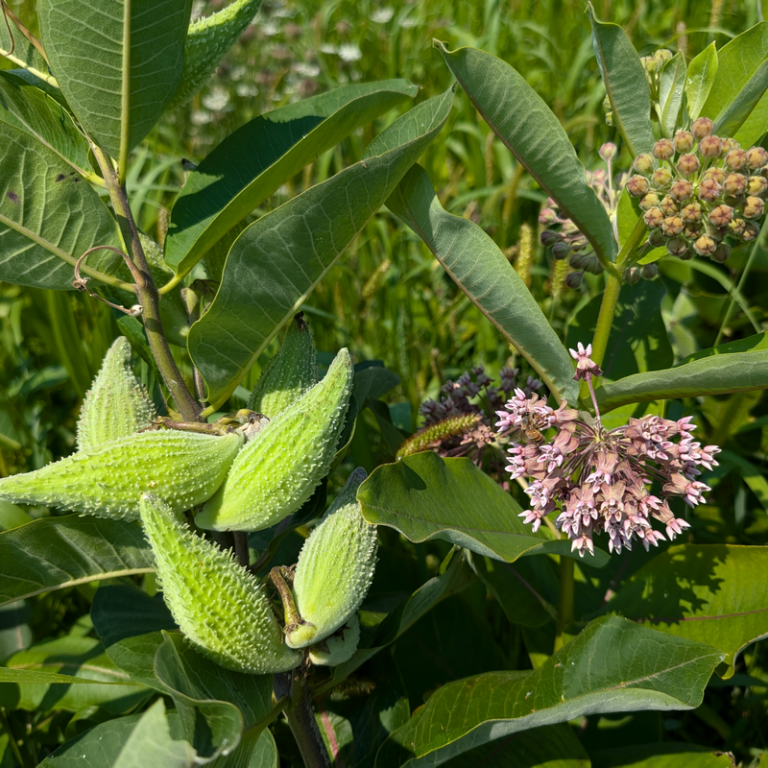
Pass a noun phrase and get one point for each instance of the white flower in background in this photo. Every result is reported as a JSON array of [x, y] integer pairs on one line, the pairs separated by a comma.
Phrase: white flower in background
[[306, 70], [216, 100], [382, 15], [350, 52]]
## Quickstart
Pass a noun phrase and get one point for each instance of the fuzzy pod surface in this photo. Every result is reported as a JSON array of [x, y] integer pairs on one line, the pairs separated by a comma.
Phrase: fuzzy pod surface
[[117, 404], [339, 647], [335, 569], [289, 374], [219, 607], [183, 468], [281, 466]]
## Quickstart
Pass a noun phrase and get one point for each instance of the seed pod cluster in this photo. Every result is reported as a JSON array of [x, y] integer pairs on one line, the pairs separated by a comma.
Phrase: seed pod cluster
[[697, 191], [335, 569], [282, 464], [220, 607]]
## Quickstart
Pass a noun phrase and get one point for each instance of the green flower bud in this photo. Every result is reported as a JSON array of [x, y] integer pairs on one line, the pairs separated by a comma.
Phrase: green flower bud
[[710, 146], [609, 119], [737, 227], [281, 465], [692, 231], [721, 254], [632, 275], [751, 231], [709, 190], [339, 647], [688, 164], [729, 144], [672, 226], [735, 184], [117, 405], [757, 185], [678, 246], [753, 208], [637, 185], [691, 213], [649, 271], [607, 152], [662, 56], [721, 216], [662, 178], [592, 264], [219, 607], [656, 238], [561, 250], [705, 246], [653, 217], [643, 163], [701, 128], [663, 149], [668, 206], [183, 468], [757, 157], [681, 190], [335, 569], [650, 200], [289, 374], [649, 64], [683, 141], [736, 159]]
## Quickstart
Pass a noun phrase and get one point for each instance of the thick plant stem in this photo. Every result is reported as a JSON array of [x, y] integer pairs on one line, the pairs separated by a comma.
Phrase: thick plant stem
[[301, 718], [605, 318], [147, 293], [565, 606]]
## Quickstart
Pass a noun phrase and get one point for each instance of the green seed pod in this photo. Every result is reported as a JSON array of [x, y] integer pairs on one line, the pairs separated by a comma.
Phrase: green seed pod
[[117, 405], [335, 569], [289, 374], [337, 648], [183, 468], [281, 466], [208, 41], [220, 607]]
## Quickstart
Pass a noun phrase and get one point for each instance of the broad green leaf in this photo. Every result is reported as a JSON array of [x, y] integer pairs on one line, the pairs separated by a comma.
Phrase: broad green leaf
[[30, 109], [59, 552], [626, 217], [736, 63], [15, 633], [481, 270], [527, 127], [660, 755], [250, 164], [426, 497], [735, 367], [48, 216], [671, 86], [44, 674], [711, 593], [119, 611], [613, 665], [136, 657], [735, 114], [278, 260], [753, 477], [117, 63], [699, 79], [255, 750], [17, 49], [625, 83]]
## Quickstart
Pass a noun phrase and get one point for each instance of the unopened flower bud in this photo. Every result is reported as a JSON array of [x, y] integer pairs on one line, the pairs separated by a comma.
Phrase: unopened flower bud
[[649, 201], [681, 190], [737, 227], [688, 164], [691, 213], [714, 174], [547, 217], [573, 279], [757, 185], [662, 56], [592, 264], [721, 215], [653, 217], [710, 146], [549, 238], [649, 64], [637, 185], [683, 141], [721, 254], [668, 206], [560, 250], [736, 159], [643, 163], [753, 208], [664, 149], [701, 128], [735, 184], [649, 271], [577, 260], [705, 246], [632, 275], [729, 144], [751, 231], [757, 157], [678, 246], [692, 231], [609, 122], [608, 151], [662, 178], [672, 226], [656, 238], [709, 190]]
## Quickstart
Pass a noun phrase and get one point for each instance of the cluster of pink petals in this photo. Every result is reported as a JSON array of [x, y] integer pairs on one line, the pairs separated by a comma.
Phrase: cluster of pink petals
[[599, 480]]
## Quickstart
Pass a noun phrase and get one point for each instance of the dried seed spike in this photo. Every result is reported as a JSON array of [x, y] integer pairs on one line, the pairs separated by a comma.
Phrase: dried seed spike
[[116, 405], [220, 607], [183, 468], [281, 466], [335, 569], [289, 374], [339, 647]]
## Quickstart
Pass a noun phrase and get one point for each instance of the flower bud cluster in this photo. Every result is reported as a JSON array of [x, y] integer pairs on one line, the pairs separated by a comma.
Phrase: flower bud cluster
[[601, 480], [564, 237], [653, 65], [697, 189]]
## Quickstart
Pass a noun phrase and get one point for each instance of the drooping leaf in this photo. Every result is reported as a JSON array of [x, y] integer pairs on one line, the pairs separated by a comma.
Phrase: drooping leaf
[[529, 129], [251, 163], [118, 64], [638, 669], [625, 83], [734, 367], [424, 497], [280, 258], [482, 271], [48, 216], [699, 79], [59, 552], [711, 593], [671, 86]]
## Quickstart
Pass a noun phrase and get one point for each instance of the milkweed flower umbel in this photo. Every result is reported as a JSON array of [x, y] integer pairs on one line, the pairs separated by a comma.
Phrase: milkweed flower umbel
[[601, 480]]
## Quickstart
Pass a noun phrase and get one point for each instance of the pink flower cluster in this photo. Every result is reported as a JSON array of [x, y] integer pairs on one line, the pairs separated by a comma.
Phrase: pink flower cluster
[[600, 479]]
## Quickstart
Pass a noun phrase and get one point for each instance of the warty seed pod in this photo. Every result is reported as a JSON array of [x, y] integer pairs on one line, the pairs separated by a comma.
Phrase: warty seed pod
[[339, 647], [289, 374], [117, 405], [183, 468], [281, 466], [220, 607], [335, 569]]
